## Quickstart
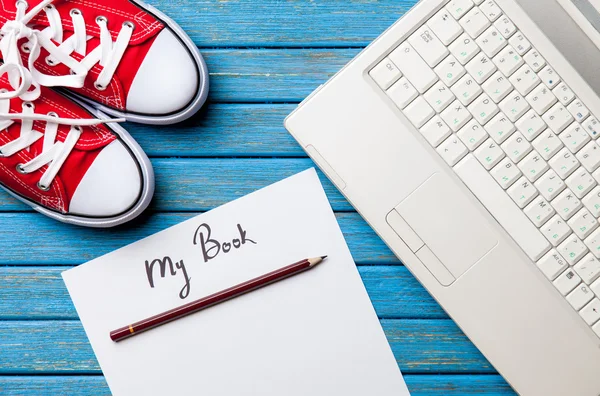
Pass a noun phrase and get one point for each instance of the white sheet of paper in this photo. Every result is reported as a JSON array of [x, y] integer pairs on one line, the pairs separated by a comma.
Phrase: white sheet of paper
[[315, 333]]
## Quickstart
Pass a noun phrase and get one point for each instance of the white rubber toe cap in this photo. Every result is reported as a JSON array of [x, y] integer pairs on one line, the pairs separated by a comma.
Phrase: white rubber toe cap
[[111, 185], [166, 81]]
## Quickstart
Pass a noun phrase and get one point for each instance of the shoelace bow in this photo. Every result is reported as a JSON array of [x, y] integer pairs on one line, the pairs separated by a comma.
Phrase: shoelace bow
[[26, 81]]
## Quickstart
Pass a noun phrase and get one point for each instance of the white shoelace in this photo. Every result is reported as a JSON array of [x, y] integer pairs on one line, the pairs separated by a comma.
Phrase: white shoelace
[[108, 53], [26, 82]]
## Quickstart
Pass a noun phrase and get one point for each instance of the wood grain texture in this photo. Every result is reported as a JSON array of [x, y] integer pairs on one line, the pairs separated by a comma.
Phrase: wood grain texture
[[35, 293], [419, 385], [50, 347], [290, 23], [35, 239]]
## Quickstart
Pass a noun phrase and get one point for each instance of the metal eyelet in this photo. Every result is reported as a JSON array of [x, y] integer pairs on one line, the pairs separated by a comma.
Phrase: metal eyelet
[[50, 61], [129, 24], [49, 7], [75, 11], [2, 154], [72, 72], [20, 169], [101, 18], [43, 188], [53, 114], [22, 2], [3, 90], [99, 87], [29, 105], [25, 48], [77, 128]]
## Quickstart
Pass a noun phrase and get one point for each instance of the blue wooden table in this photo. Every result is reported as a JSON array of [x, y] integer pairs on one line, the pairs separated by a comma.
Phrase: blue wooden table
[[264, 57]]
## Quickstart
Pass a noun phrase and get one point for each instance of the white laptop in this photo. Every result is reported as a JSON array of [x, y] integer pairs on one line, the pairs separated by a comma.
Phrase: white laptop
[[466, 136]]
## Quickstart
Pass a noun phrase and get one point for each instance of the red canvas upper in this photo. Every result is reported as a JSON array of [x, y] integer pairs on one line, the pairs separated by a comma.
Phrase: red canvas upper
[[93, 139], [116, 12]]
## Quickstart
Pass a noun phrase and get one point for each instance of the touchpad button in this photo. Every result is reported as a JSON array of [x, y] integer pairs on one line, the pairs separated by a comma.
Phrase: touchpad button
[[444, 218]]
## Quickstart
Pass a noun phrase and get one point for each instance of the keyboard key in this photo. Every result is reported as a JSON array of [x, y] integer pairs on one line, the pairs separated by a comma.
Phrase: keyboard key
[[580, 296], [596, 329], [572, 249], [439, 96], [524, 80], [593, 243], [547, 144], [564, 163], [589, 156], [549, 77], [592, 127], [483, 109], [592, 202], [578, 110], [535, 60], [419, 112], [497, 87], [596, 287], [513, 220], [464, 48], [583, 223], [428, 46], [445, 27], [458, 8], [552, 264], [581, 182], [564, 93], [435, 131], [489, 154], [450, 71], [514, 106], [402, 93], [531, 125], [558, 118], [491, 41], [541, 99], [475, 22], [500, 128], [505, 27], [456, 115], [566, 204], [533, 166], [516, 147], [550, 185], [452, 150], [385, 73], [539, 211], [574, 137], [521, 44], [588, 269], [413, 67], [472, 135], [481, 68], [506, 173], [466, 90], [591, 312], [522, 192], [491, 10], [508, 60], [567, 281]]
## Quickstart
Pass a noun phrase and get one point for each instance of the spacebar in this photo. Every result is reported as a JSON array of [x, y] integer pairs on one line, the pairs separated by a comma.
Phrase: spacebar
[[502, 207]]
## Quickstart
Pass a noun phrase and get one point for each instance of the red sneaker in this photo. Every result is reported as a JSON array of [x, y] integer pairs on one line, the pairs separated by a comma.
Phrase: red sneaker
[[62, 161], [123, 57]]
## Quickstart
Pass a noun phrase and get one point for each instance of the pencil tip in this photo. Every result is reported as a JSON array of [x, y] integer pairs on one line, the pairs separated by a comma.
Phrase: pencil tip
[[316, 260], [323, 257]]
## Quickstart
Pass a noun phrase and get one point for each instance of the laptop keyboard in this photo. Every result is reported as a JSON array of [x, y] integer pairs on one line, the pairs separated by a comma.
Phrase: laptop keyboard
[[513, 131]]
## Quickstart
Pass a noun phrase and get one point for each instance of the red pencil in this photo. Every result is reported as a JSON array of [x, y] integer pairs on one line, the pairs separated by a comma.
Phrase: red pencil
[[213, 299]]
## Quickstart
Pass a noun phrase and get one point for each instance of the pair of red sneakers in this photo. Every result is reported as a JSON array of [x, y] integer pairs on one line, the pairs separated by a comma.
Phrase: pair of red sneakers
[[59, 151]]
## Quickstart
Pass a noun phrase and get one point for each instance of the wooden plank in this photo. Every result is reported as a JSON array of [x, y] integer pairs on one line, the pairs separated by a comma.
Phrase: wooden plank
[[38, 240], [419, 385], [184, 184], [271, 75], [36, 293], [50, 347], [290, 23]]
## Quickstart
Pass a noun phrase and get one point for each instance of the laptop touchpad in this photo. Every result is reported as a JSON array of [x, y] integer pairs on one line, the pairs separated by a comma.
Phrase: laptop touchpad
[[449, 224]]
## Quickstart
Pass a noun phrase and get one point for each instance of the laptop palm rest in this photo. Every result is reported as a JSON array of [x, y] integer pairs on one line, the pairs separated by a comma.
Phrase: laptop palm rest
[[454, 235]]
